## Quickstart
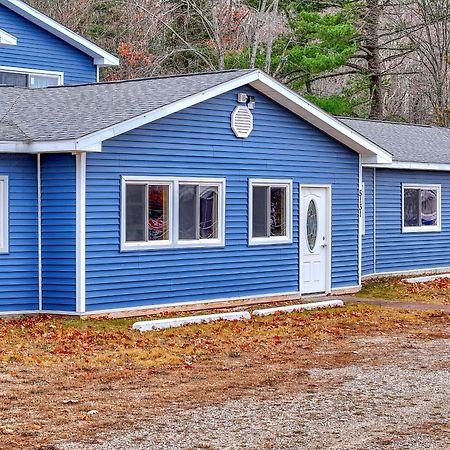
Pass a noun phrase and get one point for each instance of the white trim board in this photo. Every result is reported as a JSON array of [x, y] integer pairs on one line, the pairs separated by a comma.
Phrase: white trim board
[[404, 165], [100, 56], [268, 86], [394, 273], [4, 214], [7, 39], [80, 232]]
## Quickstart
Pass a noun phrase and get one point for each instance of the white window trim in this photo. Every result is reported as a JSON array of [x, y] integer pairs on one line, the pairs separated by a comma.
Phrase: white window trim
[[420, 228], [22, 70], [173, 241], [274, 239], [4, 215]]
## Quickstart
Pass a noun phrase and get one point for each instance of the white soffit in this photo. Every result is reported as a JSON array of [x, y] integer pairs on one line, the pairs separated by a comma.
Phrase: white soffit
[[7, 39], [101, 57]]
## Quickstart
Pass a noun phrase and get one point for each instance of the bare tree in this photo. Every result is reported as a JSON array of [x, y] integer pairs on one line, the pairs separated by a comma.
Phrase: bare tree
[[432, 43]]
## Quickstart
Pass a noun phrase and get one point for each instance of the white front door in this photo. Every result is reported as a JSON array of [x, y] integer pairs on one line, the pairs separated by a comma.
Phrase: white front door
[[315, 230]]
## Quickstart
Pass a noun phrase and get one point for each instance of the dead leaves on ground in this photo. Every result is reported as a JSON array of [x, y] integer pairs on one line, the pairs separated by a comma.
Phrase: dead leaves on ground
[[112, 344], [394, 288]]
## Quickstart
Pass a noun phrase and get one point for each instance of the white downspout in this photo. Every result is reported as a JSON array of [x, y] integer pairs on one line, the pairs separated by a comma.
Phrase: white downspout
[[39, 193]]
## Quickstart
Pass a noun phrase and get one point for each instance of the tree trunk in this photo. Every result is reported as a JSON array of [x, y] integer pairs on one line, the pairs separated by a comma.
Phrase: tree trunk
[[274, 15], [373, 14]]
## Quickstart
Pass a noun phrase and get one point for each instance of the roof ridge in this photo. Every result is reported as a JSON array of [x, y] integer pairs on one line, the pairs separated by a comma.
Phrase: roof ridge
[[159, 77], [390, 122]]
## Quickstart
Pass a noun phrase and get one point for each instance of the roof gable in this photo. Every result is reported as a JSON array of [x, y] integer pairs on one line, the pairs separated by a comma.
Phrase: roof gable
[[79, 118], [100, 56]]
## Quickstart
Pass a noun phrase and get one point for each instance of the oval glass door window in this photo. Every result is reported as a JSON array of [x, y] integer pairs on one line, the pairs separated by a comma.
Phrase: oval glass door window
[[311, 225]]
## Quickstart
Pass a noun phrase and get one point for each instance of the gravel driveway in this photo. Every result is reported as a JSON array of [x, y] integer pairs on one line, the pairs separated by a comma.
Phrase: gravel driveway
[[398, 397]]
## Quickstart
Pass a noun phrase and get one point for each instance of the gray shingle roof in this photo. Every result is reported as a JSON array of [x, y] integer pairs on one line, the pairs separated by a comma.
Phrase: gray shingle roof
[[406, 142], [71, 112]]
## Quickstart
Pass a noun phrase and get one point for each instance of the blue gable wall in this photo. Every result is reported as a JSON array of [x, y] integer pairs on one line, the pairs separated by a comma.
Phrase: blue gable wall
[[397, 251], [368, 241], [19, 268], [38, 49], [58, 175], [198, 142]]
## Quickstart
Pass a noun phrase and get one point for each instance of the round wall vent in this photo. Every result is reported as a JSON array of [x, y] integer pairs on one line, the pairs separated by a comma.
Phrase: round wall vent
[[242, 121]]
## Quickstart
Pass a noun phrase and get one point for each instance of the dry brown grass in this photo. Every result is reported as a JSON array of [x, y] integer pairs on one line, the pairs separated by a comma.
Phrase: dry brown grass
[[53, 371], [393, 288]]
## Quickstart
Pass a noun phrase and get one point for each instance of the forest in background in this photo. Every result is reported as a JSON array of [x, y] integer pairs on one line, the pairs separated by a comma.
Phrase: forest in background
[[380, 59]]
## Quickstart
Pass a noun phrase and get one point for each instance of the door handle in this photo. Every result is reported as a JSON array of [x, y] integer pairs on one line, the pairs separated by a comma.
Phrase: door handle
[[324, 245]]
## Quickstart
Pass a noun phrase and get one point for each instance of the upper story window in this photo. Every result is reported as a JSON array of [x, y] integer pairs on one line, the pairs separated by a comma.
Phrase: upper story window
[[172, 212], [29, 78], [3, 214], [421, 208], [270, 211]]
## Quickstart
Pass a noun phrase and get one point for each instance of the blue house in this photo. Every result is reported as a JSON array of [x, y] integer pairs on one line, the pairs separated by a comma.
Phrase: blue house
[[187, 189]]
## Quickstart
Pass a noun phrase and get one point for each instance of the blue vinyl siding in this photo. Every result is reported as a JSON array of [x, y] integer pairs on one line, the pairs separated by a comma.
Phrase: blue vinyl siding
[[19, 268], [38, 49], [58, 174], [198, 142], [397, 251], [368, 240]]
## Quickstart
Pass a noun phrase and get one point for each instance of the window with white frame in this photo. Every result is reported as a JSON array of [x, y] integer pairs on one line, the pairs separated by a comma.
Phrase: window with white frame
[[172, 212], [270, 211], [421, 207], [29, 78], [3, 214]]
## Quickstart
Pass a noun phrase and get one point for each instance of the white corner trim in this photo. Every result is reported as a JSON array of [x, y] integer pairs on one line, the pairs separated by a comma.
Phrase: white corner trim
[[4, 214], [422, 229], [80, 232], [7, 39], [39, 205], [264, 182], [101, 57], [361, 217]]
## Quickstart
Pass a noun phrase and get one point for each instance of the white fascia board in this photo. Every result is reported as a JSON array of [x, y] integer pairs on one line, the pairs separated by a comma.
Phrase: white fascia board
[[411, 166], [7, 39], [166, 110], [319, 118], [101, 57], [47, 147], [272, 89]]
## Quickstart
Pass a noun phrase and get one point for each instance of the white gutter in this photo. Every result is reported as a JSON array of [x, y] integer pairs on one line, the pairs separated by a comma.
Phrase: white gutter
[[67, 146], [411, 166]]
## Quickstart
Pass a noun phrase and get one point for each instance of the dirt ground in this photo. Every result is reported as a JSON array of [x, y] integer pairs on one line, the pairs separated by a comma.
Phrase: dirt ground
[[395, 395], [357, 377]]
